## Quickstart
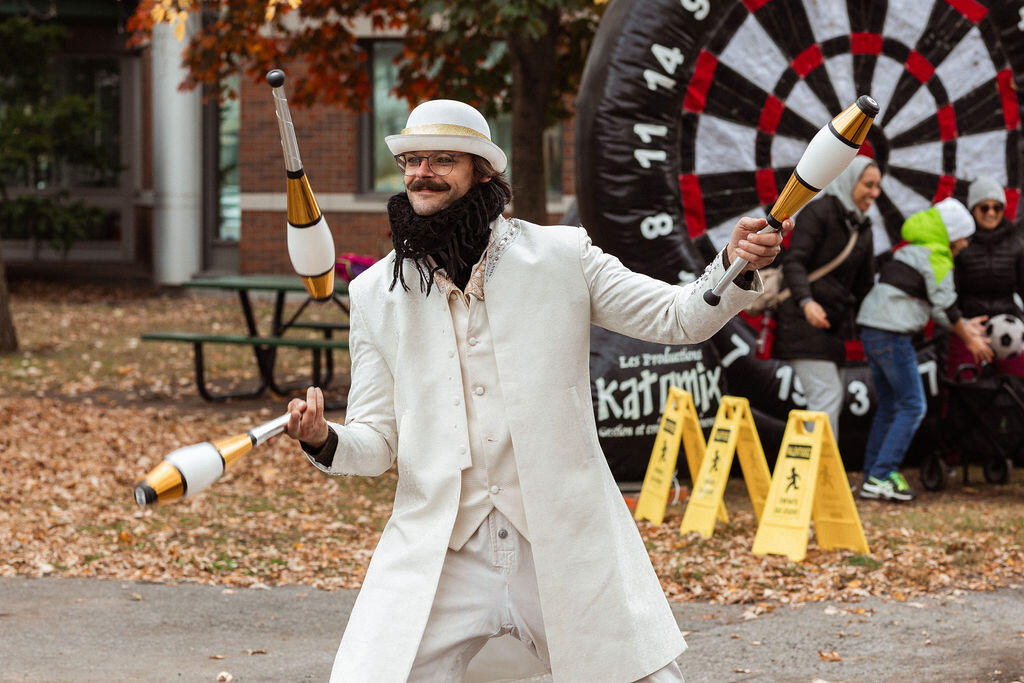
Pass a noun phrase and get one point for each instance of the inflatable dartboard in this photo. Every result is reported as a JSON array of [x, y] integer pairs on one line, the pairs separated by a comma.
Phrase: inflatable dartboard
[[694, 113]]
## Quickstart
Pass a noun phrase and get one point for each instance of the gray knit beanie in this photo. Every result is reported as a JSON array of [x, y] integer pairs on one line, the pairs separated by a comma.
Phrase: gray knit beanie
[[985, 187]]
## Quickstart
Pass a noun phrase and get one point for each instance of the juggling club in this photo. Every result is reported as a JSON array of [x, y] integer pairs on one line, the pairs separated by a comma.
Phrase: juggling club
[[310, 245], [827, 155], [188, 470]]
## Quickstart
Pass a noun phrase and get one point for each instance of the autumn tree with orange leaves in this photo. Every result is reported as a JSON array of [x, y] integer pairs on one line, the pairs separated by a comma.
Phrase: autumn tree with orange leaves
[[520, 56]]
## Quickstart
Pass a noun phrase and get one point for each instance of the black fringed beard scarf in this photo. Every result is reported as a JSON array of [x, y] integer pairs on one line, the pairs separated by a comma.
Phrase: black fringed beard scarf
[[453, 238]]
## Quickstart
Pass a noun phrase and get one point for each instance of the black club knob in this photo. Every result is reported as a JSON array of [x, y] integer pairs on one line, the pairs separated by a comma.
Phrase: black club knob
[[275, 78], [865, 103]]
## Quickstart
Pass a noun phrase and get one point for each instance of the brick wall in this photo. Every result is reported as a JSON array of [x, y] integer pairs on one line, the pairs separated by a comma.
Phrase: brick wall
[[328, 139], [264, 248]]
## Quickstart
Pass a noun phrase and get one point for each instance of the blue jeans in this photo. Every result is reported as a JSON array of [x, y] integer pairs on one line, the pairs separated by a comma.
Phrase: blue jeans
[[900, 399]]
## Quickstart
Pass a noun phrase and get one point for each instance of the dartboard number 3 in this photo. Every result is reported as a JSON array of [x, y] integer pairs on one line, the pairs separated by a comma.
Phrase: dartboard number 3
[[656, 226], [860, 404]]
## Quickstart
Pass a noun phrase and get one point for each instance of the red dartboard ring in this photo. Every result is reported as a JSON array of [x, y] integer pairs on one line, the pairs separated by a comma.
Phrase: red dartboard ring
[[694, 112]]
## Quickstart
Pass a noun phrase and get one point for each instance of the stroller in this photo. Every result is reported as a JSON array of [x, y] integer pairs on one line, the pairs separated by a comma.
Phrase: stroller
[[982, 422]]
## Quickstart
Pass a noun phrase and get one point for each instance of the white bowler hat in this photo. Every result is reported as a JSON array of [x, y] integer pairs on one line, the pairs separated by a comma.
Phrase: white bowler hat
[[448, 125]]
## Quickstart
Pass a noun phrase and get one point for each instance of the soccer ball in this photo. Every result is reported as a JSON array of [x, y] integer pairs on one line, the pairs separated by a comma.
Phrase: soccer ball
[[1006, 335]]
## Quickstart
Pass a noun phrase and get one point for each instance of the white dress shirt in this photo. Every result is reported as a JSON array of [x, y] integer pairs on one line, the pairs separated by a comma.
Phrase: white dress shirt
[[492, 481]]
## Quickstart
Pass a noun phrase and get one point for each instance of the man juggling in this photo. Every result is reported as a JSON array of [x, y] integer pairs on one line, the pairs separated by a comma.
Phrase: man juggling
[[470, 370]]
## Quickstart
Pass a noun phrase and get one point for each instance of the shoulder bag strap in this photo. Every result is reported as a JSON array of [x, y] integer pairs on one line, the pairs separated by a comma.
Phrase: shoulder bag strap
[[824, 270]]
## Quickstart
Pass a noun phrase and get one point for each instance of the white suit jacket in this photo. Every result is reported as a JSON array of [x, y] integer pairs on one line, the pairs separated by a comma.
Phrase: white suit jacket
[[605, 614]]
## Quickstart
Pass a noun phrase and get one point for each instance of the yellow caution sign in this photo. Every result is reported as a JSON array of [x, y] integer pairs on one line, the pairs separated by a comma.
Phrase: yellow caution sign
[[809, 481], [679, 423], [732, 433]]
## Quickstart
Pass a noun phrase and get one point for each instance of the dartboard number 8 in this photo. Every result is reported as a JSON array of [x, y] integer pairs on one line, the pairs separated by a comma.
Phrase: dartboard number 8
[[657, 226]]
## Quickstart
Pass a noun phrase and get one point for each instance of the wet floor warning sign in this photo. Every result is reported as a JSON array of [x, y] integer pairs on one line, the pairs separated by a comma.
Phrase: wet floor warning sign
[[680, 425], [809, 482], [732, 434]]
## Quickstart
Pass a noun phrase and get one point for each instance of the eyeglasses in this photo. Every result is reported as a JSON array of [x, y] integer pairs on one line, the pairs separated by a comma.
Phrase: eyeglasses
[[439, 163], [985, 208]]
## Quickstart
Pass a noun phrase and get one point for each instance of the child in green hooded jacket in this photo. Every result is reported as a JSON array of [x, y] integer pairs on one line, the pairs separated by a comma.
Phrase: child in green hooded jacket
[[915, 286]]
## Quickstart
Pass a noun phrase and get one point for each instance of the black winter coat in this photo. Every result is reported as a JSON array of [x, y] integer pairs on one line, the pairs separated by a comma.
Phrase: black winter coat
[[822, 231], [990, 270]]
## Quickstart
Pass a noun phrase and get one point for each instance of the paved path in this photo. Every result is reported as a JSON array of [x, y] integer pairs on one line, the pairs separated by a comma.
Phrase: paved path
[[85, 629]]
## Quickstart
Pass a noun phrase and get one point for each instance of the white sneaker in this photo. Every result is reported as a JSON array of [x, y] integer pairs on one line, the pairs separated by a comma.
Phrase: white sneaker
[[884, 488]]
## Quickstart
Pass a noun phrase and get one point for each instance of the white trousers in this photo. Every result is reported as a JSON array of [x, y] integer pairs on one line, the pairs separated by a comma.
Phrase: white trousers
[[822, 387], [488, 588]]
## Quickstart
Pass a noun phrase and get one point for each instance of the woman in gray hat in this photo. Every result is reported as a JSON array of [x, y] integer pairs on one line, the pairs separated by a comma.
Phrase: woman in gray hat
[[990, 271]]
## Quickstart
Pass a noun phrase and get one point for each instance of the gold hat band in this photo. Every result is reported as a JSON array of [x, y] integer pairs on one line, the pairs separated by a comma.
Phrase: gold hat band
[[442, 129]]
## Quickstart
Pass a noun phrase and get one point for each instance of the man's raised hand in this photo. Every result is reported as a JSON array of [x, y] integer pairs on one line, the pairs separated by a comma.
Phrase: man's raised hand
[[306, 422], [758, 250]]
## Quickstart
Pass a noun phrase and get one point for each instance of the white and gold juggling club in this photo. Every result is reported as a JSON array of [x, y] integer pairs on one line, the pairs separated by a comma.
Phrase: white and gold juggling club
[[310, 245], [826, 156], [188, 470]]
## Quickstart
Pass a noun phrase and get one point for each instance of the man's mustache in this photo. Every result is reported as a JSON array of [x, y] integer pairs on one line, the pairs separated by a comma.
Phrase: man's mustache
[[425, 184]]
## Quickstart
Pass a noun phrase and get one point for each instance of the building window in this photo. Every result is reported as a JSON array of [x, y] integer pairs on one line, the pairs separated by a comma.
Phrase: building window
[[98, 78], [229, 224], [389, 114]]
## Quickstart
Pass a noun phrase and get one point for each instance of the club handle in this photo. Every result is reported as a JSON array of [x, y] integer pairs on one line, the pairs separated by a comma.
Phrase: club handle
[[289, 145], [268, 430], [713, 296]]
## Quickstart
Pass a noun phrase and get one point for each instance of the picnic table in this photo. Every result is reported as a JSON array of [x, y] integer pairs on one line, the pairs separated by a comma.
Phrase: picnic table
[[265, 347]]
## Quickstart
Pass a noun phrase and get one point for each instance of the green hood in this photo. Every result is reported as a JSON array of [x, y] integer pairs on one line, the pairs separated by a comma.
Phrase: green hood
[[926, 229]]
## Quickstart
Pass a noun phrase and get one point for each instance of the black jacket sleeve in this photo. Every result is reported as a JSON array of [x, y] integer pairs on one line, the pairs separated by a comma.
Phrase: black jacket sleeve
[[800, 256], [866, 275]]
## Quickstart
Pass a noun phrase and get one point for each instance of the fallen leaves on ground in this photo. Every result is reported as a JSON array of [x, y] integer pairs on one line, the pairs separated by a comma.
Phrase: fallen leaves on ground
[[72, 444], [66, 510], [85, 342], [967, 539], [66, 506]]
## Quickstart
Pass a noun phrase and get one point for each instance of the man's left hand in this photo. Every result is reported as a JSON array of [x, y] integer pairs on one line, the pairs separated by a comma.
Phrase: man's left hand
[[758, 250]]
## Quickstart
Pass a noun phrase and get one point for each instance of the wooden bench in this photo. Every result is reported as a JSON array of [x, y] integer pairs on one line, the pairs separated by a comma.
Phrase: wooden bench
[[265, 351]]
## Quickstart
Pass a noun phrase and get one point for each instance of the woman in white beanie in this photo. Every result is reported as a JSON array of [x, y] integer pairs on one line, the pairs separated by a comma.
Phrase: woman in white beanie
[[917, 284], [990, 271]]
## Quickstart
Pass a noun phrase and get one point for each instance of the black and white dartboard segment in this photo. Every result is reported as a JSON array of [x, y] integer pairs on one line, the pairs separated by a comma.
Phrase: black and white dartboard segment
[[773, 70]]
